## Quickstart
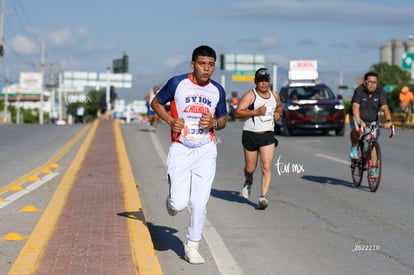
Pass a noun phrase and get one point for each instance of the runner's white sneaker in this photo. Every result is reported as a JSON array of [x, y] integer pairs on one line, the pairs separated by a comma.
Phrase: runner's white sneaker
[[170, 211], [263, 203], [191, 253], [246, 190]]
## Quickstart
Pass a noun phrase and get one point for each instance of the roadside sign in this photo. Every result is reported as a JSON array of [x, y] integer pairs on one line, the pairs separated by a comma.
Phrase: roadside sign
[[305, 65], [119, 80], [243, 76], [389, 88], [407, 60]]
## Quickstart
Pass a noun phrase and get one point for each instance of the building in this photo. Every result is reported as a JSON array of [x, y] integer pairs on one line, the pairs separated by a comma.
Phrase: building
[[393, 51]]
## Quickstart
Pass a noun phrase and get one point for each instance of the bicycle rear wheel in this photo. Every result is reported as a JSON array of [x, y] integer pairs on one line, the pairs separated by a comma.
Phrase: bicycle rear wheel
[[357, 167], [374, 166]]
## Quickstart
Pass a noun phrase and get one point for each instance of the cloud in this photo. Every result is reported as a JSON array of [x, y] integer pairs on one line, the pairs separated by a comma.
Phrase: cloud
[[173, 61], [320, 11], [24, 45], [306, 42], [61, 37], [268, 42]]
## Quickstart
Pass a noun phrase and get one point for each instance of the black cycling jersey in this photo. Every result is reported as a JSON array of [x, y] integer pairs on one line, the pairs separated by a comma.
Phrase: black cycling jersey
[[369, 106]]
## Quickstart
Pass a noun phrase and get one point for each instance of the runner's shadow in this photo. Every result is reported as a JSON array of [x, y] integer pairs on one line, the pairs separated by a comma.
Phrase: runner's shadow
[[328, 180], [136, 215], [163, 237], [229, 195], [148, 130]]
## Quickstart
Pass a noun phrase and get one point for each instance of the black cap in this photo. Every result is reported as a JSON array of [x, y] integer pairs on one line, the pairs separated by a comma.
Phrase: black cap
[[262, 74]]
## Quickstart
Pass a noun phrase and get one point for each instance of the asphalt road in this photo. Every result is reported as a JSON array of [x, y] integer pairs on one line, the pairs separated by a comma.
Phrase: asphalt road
[[317, 222]]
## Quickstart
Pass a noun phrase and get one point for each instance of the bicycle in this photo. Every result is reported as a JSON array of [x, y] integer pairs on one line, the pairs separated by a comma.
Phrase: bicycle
[[369, 156]]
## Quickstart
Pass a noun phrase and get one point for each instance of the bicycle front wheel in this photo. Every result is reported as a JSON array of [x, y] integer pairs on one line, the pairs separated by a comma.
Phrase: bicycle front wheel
[[357, 167], [374, 166]]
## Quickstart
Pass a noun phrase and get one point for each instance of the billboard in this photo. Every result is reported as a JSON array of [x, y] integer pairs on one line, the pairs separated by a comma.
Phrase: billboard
[[31, 82], [243, 66]]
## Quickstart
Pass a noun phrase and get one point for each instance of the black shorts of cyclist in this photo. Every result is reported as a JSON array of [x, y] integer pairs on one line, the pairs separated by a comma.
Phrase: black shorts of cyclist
[[253, 141], [352, 123]]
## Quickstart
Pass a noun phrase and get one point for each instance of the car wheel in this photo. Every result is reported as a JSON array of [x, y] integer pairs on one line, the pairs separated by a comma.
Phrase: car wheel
[[340, 132]]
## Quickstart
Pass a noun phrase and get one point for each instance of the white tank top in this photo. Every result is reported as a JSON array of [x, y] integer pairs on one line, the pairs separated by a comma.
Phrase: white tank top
[[265, 122]]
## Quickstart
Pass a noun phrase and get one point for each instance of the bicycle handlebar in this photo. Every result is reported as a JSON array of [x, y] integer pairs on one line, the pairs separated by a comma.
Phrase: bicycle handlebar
[[374, 125], [392, 131]]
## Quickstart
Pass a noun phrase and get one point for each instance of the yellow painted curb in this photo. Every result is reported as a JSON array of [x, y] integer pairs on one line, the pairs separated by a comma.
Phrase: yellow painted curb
[[29, 257], [141, 243]]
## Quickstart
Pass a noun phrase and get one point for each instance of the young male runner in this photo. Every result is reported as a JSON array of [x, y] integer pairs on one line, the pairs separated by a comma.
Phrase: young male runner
[[197, 108]]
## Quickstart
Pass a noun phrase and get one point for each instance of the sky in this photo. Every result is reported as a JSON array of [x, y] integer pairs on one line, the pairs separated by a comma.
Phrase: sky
[[344, 36]]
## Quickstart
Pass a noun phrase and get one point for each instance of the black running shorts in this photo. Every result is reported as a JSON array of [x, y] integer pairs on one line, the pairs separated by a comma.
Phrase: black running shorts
[[253, 141]]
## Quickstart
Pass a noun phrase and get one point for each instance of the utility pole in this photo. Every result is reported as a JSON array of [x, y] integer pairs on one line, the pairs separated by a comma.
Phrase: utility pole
[[52, 86], [2, 14], [275, 77], [6, 100], [42, 71], [108, 94]]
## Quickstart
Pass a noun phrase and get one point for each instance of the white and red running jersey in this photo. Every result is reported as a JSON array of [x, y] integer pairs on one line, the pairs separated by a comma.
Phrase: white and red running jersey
[[189, 101]]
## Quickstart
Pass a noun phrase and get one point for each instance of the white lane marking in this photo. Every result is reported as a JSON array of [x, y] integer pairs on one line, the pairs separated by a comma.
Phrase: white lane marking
[[158, 147], [225, 262], [10, 199], [222, 256], [332, 158]]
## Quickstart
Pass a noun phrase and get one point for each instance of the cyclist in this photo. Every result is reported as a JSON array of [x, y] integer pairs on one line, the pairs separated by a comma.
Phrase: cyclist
[[406, 103], [368, 99]]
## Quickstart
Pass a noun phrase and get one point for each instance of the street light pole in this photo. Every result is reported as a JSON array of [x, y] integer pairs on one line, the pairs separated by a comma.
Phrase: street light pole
[[2, 13], [274, 77], [108, 96], [42, 71]]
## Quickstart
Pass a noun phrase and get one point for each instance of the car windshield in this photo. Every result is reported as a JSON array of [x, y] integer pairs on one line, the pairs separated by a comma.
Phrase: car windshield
[[310, 92]]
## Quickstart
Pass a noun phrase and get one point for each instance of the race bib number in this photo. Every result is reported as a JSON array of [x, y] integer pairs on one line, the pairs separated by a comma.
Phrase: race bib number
[[192, 130], [268, 115]]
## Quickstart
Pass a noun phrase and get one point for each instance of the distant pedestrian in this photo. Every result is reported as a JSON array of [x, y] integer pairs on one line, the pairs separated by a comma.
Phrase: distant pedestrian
[[260, 107], [152, 116], [53, 116], [406, 105], [198, 108], [102, 108], [80, 112]]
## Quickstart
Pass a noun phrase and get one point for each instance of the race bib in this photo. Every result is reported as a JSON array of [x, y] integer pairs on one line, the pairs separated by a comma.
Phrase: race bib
[[192, 134], [268, 115], [192, 129]]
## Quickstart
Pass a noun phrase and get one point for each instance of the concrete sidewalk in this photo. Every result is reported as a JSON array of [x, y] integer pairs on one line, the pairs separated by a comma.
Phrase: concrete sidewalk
[[94, 223]]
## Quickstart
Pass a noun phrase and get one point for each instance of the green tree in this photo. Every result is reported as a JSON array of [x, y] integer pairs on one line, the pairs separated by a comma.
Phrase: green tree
[[392, 75]]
